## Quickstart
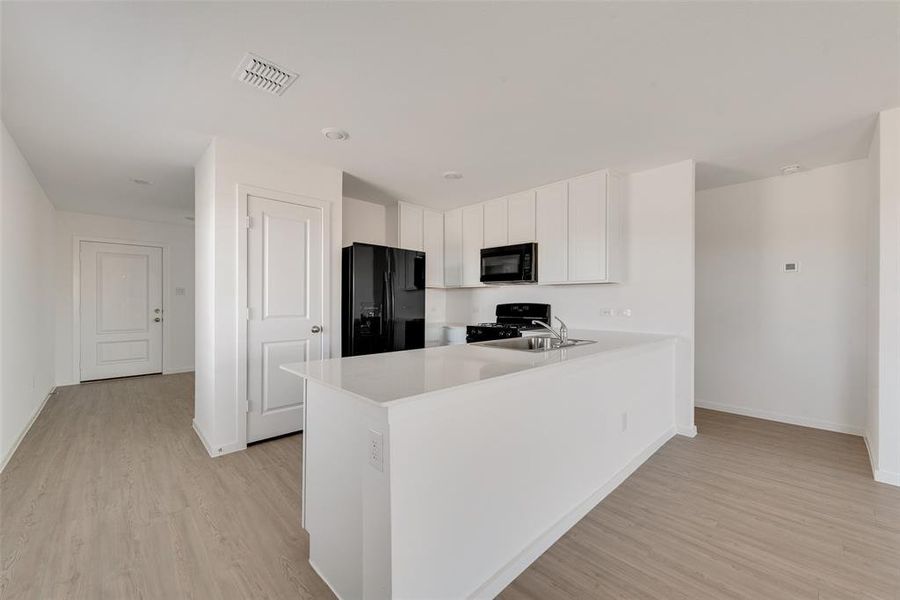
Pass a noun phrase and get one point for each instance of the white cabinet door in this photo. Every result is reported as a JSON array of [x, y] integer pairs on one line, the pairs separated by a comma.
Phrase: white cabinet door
[[121, 310], [520, 227], [552, 224], [472, 243], [495, 223], [434, 248], [411, 226], [285, 271], [587, 227], [452, 248]]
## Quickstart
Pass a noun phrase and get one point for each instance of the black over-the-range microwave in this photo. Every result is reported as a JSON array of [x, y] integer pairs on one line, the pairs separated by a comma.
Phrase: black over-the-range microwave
[[509, 264]]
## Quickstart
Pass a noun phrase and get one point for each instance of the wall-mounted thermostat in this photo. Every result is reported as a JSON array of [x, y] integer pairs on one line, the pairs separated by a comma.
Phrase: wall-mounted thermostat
[[791, 267]]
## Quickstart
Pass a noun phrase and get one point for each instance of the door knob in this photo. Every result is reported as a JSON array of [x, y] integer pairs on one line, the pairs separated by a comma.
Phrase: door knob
[[316, 329], [157, 310], [157, 320]]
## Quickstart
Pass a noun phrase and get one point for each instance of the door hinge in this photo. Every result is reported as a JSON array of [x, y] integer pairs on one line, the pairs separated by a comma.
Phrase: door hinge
[[247, 313], [246, 406], [248, 222]]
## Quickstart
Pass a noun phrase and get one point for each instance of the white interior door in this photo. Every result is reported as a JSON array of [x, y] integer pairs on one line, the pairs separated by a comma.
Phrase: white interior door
[[120, 310], [285, 269]]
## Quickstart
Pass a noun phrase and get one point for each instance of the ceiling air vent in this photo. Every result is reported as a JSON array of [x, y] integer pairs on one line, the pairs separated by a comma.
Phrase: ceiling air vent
[[264, 74]]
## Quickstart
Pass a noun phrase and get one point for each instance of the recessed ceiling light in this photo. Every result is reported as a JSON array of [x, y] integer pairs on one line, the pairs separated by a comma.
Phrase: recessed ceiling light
[[452, 175], [141, 181], [335, 134], [788, 169]]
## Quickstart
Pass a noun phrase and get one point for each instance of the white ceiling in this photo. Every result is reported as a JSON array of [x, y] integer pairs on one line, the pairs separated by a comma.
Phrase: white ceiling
[[512, 95]]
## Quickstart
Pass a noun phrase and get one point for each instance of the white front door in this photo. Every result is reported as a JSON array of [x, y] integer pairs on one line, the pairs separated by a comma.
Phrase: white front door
[[120, 310], [285, 269]]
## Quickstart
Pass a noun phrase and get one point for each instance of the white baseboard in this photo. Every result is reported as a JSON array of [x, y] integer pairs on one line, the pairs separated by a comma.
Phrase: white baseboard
[[315, 568], [877, 474], [686, 431], [25, 431], [175, 370], [203, 439], [781, 418], [887, 477], [502, 578], [216, 451]]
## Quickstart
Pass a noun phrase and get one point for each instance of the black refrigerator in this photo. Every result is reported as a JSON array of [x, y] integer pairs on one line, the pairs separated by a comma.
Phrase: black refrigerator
[[383, 299]]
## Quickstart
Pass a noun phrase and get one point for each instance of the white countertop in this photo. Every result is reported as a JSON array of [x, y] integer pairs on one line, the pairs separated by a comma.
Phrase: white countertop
[[391, 377]]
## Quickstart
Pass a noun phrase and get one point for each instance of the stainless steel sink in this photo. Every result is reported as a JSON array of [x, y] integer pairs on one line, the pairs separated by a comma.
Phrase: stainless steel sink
[[534, 343]]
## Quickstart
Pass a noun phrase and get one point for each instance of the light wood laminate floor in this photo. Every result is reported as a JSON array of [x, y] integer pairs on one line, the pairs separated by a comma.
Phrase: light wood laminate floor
[[112, 496]]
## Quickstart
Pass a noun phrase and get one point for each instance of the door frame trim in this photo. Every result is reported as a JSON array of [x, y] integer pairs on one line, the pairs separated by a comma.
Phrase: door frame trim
[[243, 191], [76, 293]]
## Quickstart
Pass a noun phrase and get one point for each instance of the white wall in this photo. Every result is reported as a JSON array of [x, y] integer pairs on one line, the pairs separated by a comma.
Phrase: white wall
[[26, 297], [872, 298], [178, 267], [884, 425], [659, 286], [220, 422], [785, 346], [205, 291], [363, 222]]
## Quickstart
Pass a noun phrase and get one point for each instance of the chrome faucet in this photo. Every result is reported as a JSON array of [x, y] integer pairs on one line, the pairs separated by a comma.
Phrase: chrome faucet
[[562, 334]]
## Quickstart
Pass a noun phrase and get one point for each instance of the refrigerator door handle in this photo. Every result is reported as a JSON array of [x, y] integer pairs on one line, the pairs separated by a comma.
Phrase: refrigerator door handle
[[390, 308], [385, 307]]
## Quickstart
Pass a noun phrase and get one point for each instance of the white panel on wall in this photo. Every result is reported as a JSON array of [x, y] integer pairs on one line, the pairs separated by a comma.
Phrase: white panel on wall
[[364, 222], [433, 226], [453, 248], [587, 227], [495, 223], [411, 226], [552, 225], [521, 217], [472, 243]]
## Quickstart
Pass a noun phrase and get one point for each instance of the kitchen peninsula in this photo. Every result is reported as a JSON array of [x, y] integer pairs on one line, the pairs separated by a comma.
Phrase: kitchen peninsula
[[444, 472]]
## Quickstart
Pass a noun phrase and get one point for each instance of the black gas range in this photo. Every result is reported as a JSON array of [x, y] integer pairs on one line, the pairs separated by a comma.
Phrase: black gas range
[[512, 321]]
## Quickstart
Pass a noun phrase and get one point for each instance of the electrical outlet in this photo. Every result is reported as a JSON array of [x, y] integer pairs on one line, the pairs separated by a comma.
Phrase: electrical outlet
[[624, 421], [376, 449], [607, 312], [625, 312]]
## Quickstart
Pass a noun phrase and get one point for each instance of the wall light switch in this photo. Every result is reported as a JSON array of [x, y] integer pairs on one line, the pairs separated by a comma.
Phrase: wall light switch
[[791, 267]]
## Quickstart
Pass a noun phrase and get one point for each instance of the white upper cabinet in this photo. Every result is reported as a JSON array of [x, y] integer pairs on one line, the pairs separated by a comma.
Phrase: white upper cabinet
[[552, 226], [587, 227], [452, 248], [495, 223], [595, 219], [578, 225], [433, 239], [520, 218], [472, 243], [411, 226]]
